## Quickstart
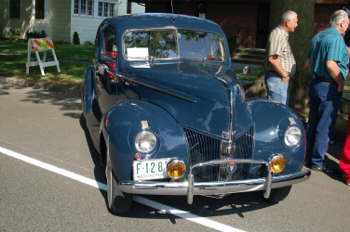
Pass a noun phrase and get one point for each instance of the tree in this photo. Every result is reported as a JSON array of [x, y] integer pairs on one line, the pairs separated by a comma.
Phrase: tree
[[300, 42]]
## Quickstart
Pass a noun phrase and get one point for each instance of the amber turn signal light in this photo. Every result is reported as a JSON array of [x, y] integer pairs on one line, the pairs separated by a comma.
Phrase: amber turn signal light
[[176, 169], [277, 164]]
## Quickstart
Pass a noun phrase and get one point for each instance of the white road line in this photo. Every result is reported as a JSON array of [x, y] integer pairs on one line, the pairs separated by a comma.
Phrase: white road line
[[144, 201]]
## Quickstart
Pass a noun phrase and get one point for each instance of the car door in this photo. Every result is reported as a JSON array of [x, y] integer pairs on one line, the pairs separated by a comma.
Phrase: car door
[[106, 67]]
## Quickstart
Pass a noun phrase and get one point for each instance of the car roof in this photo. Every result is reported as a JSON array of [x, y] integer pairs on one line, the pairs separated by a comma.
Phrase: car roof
[[155, 20]]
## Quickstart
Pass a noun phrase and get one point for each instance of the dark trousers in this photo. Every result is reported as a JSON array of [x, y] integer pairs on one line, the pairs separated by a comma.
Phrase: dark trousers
[[324, 102]]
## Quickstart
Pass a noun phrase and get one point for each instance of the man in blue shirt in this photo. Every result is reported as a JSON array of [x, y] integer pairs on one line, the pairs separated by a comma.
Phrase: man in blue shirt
[[329, 65]]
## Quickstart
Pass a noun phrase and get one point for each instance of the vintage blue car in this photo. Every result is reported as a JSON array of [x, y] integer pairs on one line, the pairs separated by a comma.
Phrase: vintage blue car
[[168, 116]]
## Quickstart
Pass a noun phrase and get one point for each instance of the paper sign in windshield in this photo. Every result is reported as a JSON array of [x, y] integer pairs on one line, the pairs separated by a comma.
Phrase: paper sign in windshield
[[137, 53]]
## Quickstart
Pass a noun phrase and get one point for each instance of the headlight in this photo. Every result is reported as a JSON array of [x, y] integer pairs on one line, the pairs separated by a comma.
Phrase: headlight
[[145, 141], [292, 136]]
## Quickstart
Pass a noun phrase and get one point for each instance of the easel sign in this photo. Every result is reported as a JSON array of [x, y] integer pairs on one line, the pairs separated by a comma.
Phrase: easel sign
[[38, 46]]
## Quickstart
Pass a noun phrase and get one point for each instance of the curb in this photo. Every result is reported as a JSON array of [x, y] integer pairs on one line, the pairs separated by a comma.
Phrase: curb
[[65, 87]]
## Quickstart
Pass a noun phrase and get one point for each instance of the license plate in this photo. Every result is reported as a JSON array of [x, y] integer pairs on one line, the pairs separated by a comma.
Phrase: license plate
[[150, 169]]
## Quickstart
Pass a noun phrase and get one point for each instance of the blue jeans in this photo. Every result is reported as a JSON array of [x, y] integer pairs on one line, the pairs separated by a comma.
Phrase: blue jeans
[[324, 100], [277, 90]]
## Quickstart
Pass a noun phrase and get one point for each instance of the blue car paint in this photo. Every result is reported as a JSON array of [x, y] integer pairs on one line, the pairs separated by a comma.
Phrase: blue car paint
[[123, 126], [271, 121], [191, 80], [205, 84], [88, 90]]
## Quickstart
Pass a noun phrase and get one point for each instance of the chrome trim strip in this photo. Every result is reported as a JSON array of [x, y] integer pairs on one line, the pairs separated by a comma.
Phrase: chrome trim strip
[[230, 125]]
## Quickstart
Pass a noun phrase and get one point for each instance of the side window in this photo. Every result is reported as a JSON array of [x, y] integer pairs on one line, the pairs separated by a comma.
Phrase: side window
[[109, 48]]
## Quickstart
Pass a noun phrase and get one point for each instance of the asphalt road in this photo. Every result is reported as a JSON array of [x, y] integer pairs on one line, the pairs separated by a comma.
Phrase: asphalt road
[[45, 126]]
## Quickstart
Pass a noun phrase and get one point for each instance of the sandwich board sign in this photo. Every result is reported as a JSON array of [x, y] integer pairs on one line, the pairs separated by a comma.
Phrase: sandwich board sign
[[42, 45]]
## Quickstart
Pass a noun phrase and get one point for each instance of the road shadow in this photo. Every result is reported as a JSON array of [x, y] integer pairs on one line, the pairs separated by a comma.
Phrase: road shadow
[[67, 102], [64, 96], [233, 204], [99, 168]]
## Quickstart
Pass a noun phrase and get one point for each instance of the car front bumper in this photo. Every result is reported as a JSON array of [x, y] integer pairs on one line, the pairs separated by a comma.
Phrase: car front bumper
[[190, 188]]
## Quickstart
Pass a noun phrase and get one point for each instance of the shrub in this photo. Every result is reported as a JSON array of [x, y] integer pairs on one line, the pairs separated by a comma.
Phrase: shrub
[[15, 33], [76, 39], [88, 43]]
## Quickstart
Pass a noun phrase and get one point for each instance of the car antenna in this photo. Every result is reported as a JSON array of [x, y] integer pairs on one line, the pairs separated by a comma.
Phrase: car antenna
[[172, 6]]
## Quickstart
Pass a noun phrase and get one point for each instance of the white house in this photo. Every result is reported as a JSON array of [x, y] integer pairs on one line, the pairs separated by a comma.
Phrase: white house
[[59, 18]]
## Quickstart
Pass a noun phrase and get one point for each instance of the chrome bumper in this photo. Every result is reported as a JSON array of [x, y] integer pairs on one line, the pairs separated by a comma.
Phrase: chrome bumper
[[191, 188]]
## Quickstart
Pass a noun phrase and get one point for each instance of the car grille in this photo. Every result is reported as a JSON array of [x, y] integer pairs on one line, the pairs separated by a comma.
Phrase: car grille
[[205, 148]]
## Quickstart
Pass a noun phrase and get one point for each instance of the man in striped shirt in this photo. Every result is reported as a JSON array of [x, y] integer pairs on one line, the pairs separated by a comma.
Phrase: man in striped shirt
[[280, 62], [329, 64]]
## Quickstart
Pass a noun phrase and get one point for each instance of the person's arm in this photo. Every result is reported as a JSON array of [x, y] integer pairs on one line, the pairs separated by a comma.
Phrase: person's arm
[[334, 72], [275, 63]]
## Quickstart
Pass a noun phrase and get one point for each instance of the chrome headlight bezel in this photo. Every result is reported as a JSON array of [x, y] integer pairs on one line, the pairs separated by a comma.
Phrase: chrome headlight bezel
[[145, 141], [293, 136]]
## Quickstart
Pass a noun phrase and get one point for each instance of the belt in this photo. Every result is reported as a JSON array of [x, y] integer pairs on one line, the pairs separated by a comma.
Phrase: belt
[[274, 72], [318, 78]]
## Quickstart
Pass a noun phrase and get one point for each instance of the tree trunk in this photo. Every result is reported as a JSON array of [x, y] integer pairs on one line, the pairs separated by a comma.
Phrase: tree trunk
[[300, 41]]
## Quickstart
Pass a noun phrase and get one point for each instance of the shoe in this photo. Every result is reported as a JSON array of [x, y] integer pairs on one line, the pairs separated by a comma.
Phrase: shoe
[[346, 180]]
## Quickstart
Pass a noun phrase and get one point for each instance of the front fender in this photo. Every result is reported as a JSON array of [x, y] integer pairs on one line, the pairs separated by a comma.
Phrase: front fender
[[271, 121], [123, 123]]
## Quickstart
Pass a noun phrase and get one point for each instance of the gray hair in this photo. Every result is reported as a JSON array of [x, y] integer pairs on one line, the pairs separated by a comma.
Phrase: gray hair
[[288, 15], [338, 17]]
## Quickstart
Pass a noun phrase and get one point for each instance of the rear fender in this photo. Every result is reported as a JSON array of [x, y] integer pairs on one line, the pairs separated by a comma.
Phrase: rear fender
[[123, 122]]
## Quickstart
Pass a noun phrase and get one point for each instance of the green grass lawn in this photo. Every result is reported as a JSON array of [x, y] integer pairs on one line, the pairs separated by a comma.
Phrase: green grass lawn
[[69, 56]]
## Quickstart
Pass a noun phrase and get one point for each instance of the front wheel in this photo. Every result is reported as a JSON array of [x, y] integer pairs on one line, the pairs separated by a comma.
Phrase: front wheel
[[119, 203], [278, 194]]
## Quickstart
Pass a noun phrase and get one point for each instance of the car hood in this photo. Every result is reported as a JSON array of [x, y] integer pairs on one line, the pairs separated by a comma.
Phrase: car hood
[[196, 94]]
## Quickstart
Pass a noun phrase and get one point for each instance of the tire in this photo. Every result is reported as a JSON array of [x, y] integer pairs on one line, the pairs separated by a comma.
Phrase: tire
[[278, 194], [118, 203]]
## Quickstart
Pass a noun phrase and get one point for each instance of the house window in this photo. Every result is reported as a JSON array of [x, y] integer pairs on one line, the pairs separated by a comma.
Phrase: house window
[[39, 9], [106, 9], [15, 9], [84, 7]]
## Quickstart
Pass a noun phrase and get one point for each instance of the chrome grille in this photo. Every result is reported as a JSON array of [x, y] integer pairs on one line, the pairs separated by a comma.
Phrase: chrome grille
[[205, 148], [245, 144]]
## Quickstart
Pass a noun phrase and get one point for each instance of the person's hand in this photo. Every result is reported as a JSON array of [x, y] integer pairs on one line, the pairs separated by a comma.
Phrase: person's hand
[[340, 82]]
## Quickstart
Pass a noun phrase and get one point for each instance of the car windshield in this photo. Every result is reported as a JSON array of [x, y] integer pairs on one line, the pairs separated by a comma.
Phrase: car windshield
[[173, 44]]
